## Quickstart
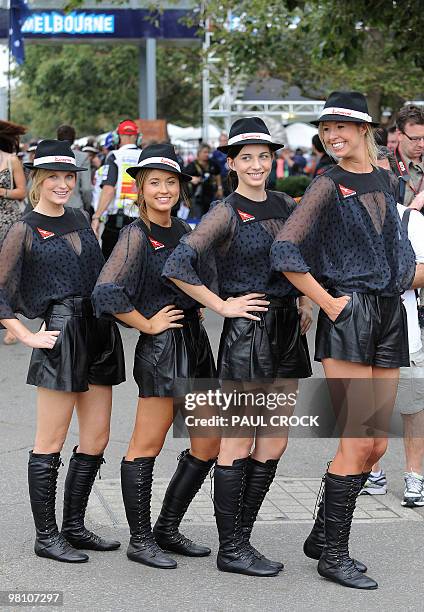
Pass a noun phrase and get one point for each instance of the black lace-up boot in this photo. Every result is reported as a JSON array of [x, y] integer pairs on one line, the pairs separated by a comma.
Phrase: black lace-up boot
[[136, 483], [78, 484], [315, 541], [42, 481], [235, 554], [339, 504], [185, 483], [259, 477]]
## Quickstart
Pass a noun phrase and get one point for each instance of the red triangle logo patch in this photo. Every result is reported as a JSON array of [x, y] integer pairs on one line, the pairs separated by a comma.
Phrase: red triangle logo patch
[[156, 244], [346, 192], [244, 216], [44, 233]]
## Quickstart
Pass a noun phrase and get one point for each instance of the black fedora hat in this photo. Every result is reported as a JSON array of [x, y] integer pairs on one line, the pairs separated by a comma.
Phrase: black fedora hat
[[249, 130], [346, 106], [54, 155], [159, 157]]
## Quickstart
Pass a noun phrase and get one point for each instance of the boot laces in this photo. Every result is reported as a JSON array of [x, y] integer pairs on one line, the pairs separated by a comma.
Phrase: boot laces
[[211, 475], [183, 453], [320, 492], [147, 540], [250, 511], [50, 504], [342, 546], [101, 462]]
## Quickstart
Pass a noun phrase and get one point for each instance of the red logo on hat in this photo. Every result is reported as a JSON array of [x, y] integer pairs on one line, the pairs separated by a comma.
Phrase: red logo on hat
[[156, 244], [169, 162], [251, 135], [244, 216], [64, 160], [346, 192], [44, 233], [340, 111]]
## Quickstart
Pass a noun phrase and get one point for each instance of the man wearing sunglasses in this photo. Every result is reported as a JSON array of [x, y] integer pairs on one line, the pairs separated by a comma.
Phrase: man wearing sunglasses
[[409, 156]]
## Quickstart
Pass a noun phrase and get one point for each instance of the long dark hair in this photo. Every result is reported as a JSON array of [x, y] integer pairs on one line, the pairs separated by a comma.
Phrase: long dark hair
[[9, 136]]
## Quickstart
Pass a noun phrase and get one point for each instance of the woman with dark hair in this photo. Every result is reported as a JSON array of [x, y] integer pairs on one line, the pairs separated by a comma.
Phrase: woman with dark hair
[[345, 248], [49, 263], [224, 264], [12, 178], [173, 348], [12, 184]]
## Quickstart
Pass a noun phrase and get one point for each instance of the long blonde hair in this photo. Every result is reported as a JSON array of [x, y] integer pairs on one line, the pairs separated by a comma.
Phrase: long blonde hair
[[369, 141], [38, 177], [141, 203]]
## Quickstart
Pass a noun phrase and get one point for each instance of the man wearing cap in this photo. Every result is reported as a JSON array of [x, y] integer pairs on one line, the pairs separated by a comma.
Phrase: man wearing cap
[[119, 193], [83, 191]]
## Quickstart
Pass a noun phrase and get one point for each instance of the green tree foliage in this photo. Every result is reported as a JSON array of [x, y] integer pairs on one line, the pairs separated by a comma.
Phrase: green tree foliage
[[322, 45], [94, 86]]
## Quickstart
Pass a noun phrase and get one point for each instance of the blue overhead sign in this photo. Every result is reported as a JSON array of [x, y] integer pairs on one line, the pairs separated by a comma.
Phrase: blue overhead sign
[[129, 24]]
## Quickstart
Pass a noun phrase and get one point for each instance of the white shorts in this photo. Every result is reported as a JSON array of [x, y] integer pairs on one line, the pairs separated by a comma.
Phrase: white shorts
[[410, 396]]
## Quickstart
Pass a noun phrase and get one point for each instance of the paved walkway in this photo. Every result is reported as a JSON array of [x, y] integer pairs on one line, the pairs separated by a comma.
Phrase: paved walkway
[[386, 536]]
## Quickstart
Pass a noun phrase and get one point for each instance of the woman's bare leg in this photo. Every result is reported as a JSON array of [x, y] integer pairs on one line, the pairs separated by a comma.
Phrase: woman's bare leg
[[351, 383], [54, 413], [385, 383], [94, 409], [153, 419]]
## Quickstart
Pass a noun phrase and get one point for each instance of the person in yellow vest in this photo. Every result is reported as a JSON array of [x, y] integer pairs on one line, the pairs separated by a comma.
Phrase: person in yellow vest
[[119, 194]]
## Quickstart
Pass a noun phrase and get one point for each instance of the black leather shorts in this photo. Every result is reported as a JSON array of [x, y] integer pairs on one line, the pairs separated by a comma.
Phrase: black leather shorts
[[168, 364], [88, 351], [268, 349], [370, 329]]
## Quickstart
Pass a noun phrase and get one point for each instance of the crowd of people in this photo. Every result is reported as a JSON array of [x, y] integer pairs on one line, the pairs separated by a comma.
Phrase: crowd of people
[[352, 246]]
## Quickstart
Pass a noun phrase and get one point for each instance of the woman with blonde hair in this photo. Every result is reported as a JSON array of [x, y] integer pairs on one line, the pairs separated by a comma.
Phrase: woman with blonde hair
[[345, 248], [49, 263], [12, 184], [173, 347]]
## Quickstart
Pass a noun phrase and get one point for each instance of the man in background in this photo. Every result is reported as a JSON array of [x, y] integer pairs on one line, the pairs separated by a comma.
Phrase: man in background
[[82, 194], [119, 193]]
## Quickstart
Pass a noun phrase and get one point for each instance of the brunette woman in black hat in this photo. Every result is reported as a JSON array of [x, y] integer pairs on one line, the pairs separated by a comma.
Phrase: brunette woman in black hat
[[346, 249], [224, 264], [173, 347], [49, 263]]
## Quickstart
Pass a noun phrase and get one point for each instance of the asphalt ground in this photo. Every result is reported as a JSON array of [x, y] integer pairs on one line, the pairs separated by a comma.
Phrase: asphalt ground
[[392, 548]]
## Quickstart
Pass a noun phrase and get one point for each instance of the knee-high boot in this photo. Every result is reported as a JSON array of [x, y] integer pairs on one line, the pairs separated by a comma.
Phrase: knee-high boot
[[259, 477], [79, 481], [136, 483], [185, 483], [42, 481], [339, 504], [234, 555], [315, 541]]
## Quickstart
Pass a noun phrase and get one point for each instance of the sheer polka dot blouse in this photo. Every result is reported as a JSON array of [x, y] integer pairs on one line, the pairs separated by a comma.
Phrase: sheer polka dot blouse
[[131, 278], [45, 259], [229, 250], [347, 233]]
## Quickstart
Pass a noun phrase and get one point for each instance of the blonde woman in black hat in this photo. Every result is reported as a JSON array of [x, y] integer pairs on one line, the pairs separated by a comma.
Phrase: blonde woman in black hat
[[224, 264], [49, 263], [172, 347], [346, 249]]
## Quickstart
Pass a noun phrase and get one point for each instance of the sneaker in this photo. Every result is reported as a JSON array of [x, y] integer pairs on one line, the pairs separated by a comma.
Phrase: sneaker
[[376, 484], [414, 494]]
